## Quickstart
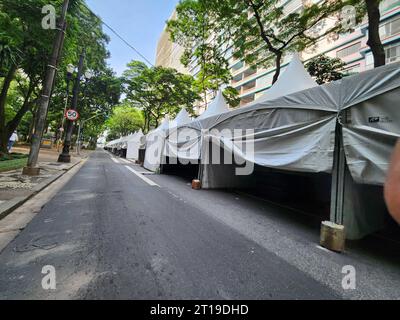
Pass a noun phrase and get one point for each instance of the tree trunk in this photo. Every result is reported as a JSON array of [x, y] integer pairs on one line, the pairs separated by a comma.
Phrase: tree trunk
[[14, 123], [3, 98], [278, 58], [374, 40], [31, 126]]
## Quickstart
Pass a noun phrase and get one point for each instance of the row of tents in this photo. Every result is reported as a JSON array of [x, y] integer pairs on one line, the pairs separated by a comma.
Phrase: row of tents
[[346, 129]]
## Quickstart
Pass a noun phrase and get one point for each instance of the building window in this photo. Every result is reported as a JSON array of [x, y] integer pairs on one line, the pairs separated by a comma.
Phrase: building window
[[369, 61], [238, 66], [390, 28], [354, 48], [392, 53], [247, 99], [248, 87]]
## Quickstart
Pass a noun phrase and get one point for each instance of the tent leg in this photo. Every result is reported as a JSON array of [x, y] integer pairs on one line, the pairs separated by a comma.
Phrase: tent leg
[[333, 231], [338, 179]]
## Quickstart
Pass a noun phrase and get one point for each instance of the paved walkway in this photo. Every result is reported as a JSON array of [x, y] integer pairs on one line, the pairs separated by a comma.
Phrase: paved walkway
[[14, 184]]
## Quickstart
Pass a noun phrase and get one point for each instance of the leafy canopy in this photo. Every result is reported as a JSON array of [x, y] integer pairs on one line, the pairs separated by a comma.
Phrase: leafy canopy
[[326, 69], [124, 121], [158, 91]]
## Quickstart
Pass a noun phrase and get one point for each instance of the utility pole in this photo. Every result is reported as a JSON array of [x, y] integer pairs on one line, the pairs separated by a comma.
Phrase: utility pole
[[65, 156], [31, 168]]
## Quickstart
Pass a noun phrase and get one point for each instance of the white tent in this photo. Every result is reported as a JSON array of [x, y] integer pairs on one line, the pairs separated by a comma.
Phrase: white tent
[[184, 140], [154, 145], [307, 131], [134, 143], [216, 107], [181, 119], [293, 79], [187, 142]]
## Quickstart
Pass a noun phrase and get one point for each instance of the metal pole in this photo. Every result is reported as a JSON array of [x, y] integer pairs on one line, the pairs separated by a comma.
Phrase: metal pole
[[78, 144], [69, 76], [31, 168], [338, 178], [65, 156]]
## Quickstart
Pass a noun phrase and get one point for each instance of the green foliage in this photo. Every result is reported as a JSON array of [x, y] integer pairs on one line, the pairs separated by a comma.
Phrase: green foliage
[[124, 121], [257, 31], [326, 69], [232, 96], [8, 165], [24, 44], [192, 30], [158, 91]]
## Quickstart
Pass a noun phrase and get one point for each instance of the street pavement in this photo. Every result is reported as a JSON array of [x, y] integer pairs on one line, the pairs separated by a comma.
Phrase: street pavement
[[114, 233]]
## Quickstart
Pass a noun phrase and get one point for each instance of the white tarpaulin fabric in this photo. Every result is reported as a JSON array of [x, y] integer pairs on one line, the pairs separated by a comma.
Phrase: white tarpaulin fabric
[[181, 119], [155, 140], [217, 106], [186, 142], [371, 122], [134, 143], [297, 132], [154, 145], [295, 78]]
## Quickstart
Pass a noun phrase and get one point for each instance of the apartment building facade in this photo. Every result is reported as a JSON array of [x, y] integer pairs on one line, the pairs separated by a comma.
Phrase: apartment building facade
[[252, 82]]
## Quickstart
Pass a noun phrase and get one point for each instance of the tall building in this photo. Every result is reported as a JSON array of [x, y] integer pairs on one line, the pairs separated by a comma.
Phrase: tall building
[[252, 82], [168, 54]]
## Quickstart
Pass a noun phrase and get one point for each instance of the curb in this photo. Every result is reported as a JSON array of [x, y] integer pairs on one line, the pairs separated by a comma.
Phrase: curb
[[9, 206]]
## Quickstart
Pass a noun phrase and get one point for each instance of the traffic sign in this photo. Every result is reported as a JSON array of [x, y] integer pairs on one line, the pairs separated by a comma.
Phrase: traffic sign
[[72, 115]]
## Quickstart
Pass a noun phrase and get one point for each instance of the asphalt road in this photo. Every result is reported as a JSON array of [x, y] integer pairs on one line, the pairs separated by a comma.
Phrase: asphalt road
[[110, 234]]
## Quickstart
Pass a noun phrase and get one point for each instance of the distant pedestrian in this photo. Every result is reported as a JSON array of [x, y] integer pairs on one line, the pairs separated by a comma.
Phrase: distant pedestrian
[[13, 139], [392, 186]]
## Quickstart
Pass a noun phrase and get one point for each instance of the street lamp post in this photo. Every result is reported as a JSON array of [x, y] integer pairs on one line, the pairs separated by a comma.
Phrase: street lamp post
[[88, 76], [70, 71], [65, 156]]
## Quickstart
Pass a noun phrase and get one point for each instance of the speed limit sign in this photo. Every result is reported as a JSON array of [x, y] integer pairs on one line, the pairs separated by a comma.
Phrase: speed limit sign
[[72, 115]]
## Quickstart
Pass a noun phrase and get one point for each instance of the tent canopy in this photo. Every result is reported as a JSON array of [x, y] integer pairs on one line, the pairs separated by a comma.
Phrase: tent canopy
[[217, 106], [165, 124], [181, 119], [295, 78]]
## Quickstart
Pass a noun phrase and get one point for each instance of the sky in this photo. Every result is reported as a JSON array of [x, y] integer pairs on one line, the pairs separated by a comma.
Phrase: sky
[[140, 22]]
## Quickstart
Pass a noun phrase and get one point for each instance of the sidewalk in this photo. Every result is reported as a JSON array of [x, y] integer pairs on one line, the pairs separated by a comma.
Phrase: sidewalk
[[16, 188]]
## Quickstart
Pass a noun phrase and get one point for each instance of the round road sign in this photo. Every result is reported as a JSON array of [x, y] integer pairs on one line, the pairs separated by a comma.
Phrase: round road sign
[[72, 115]]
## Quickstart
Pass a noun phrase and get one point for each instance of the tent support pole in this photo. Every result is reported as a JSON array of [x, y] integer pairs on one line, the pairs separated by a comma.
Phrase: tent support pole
[[338, 179], [333, 235]]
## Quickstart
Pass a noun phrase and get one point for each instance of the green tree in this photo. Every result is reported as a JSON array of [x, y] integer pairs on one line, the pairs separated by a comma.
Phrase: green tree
[[124, 121], [158, 91], [258, 31], [193, 34], [326, 69], [25, 48], [97, 99]]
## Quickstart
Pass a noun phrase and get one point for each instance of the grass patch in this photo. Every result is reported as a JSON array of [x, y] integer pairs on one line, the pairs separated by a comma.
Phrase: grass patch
[[9, 165]]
